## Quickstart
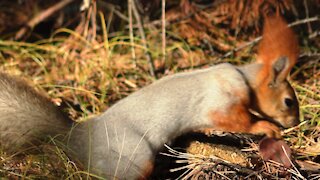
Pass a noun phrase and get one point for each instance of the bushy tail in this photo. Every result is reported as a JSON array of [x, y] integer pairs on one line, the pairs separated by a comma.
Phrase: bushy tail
[[278, 40], [27, 116]]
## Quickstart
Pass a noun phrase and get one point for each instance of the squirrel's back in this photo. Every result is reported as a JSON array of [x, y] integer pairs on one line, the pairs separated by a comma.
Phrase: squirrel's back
[[132, 131]]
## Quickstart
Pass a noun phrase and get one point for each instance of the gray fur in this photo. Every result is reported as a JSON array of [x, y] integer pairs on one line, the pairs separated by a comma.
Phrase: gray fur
[[156, 114], [26, 116]]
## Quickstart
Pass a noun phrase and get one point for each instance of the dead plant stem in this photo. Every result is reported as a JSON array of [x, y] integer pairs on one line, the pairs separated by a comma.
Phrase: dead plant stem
[[133, 53], [143, 38], [41, 16], [163, 18]]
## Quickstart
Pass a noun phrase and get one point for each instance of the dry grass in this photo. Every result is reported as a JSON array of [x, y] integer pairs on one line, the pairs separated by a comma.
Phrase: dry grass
[[89, 71]]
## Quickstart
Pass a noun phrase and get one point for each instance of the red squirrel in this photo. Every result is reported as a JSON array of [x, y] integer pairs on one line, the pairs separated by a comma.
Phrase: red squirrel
[[122, 142]]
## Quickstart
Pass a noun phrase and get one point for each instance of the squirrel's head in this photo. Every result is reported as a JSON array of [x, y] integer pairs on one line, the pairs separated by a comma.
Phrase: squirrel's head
[[278, 52], [275, 98]]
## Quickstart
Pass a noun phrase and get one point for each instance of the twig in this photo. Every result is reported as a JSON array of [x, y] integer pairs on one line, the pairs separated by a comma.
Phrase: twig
[[295, 170], [254, 41], [303, 21], [113, 8], [163, 18], [305, 3], [40, 17], [143, 37], [286, 131], [239, 48], [159, 22], [314, 34], [133, 54], [93, 20], [87, 20]]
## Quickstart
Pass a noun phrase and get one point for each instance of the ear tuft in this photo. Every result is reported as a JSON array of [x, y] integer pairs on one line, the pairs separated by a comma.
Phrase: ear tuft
[[278, 40], [280, 64], [280, 69]]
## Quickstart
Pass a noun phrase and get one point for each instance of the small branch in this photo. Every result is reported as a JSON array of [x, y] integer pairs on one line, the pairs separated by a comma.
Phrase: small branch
[[302, 21], [305, 3], [143, 37], [93, 20], [133, 53], [256, 40], [314, 34], [87, 20], [163, 18], [113, 8], [201, 8], [41, 16], [239, 48]]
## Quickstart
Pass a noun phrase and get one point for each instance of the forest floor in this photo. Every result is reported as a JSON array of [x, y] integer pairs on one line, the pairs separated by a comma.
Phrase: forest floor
[[88, 68]]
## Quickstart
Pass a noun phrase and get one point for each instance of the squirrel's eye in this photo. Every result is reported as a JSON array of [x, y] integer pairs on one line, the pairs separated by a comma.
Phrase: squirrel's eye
[[288, 102]]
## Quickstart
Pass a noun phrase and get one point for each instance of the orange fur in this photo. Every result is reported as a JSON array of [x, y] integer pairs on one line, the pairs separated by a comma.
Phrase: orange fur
[[237, 119], [149, 166], [265, 127], [277, 40]]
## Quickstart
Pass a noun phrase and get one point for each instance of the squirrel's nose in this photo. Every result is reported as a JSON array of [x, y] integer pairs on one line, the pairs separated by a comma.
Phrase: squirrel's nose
[[293, 122], [296, 122]]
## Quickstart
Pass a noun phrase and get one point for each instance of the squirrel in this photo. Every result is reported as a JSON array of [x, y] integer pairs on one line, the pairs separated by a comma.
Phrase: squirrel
[[122, 142]]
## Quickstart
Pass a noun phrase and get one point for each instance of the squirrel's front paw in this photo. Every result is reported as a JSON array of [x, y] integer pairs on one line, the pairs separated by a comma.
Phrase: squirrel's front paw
[[267, 128]]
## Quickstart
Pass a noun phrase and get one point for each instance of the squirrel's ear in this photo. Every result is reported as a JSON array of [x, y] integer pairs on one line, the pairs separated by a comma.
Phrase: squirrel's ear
[[280, 70]]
